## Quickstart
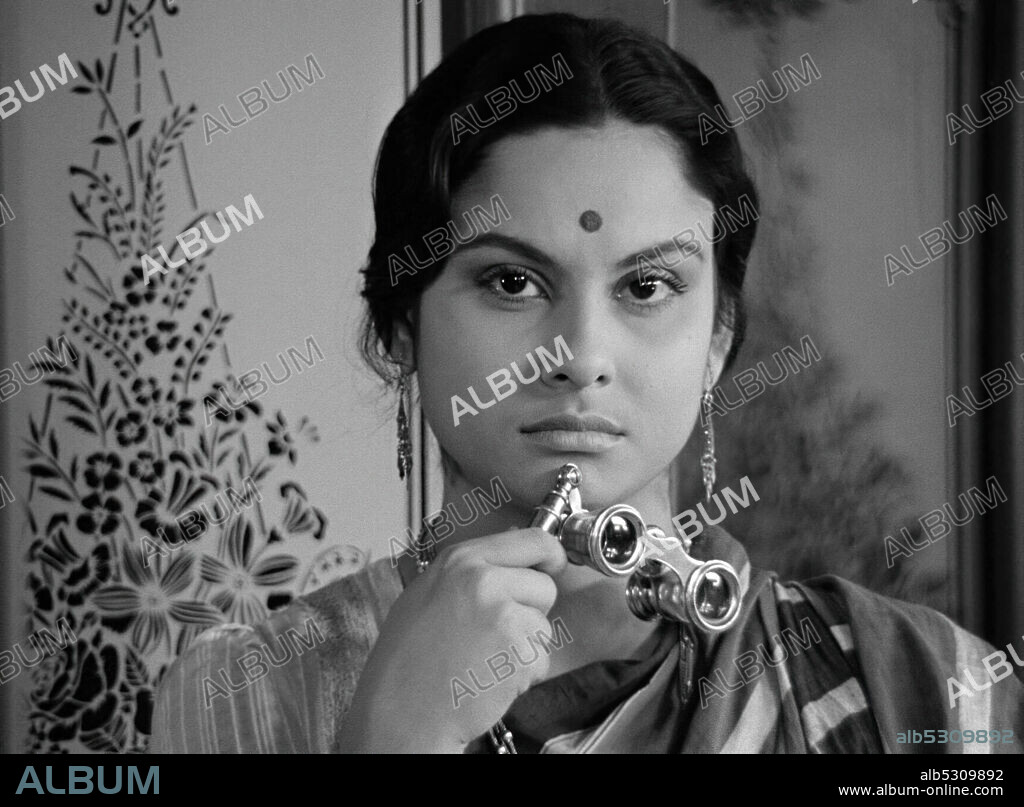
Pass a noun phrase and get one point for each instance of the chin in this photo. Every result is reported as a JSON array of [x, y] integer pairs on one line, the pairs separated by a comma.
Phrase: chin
[[606, 477]]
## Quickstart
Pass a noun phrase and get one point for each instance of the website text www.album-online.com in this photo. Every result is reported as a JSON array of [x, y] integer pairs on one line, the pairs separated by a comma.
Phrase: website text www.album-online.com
[[946, 782]]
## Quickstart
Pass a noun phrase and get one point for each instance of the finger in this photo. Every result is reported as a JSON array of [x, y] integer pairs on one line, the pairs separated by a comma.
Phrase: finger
[[531, 588], [530, 547]]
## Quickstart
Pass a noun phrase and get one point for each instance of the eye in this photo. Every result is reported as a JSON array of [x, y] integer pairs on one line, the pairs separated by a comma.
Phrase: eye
[[646, 289], [511, 283], [651, 290]]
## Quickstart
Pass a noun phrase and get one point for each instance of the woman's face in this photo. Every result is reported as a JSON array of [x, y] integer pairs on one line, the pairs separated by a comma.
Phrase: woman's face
[[640, 347]]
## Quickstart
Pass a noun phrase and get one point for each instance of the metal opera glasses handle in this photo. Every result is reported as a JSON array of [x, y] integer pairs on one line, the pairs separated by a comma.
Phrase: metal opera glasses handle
[[672, 585], [610, 542]]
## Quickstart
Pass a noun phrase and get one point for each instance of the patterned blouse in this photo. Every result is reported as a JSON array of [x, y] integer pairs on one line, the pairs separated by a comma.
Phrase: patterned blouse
[[822, 666]]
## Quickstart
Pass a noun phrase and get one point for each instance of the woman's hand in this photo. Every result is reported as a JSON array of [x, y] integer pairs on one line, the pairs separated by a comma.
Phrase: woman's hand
[[474, 601]]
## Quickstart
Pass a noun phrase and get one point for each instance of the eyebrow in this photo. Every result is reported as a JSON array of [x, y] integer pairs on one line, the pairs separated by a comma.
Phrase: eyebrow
[[529, 251], [654, 254]]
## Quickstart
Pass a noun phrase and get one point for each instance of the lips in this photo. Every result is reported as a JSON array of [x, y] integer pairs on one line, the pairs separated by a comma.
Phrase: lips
[[573, 423]]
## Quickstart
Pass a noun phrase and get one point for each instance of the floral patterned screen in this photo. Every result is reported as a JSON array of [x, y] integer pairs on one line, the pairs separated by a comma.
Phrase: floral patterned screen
[[157, 505]]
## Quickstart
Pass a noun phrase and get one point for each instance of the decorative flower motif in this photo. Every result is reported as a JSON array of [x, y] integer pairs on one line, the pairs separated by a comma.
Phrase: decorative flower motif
[[41, 593], [102, 471], [164, 338], [78, 577], [171, 413], [238, 581], [299, 516], [158, 514], [146, 467], [131, 429], [117, 316], [282, 441], [136, 297], [150, 602], [226, 409], [99, 514], [98, 692], [78, 689], [146, 391]]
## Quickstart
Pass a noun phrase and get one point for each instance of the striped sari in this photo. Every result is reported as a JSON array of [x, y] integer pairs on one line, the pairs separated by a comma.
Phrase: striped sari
[[823, 666]]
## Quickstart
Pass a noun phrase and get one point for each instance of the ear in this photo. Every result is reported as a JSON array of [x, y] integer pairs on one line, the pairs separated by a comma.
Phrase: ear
[[403, 342], [721, 343]]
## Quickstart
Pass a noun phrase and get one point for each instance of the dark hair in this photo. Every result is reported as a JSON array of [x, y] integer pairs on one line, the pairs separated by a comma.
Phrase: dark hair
[[616, 72]]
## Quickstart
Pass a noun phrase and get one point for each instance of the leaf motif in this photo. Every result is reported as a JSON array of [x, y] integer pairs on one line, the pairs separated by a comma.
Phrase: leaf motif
[[56, 521], [56, 493], [71, 400], [135, 670], [80, 207], [105, 395], [53, 445], [210, 480], [90, 372], [62, 383], [133, 128], [81, 423], [177, 455], [43, 471], [81, 89], [104, 140]]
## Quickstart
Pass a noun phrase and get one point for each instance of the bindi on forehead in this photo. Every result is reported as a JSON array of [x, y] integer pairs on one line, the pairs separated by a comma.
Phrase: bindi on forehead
[[590, 220]]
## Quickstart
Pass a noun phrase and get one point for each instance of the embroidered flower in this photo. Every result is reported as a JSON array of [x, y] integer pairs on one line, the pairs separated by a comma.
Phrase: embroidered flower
[[225, 409], [131, 429], [172, 413], [149, 600], [299, 516], [164, 338], [281, 439], [146, 391], [102, 471], [99, 514], [238, 581], [77, 688], [78, 576], [163, 515], [146, 468]]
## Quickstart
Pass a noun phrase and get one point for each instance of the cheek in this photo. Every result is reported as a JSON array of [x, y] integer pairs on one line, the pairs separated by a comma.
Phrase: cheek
[[671, 380], [457, 348], [671, 393]]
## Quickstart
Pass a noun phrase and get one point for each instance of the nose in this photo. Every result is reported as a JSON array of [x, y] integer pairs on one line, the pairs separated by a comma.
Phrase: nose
[[587, 331]]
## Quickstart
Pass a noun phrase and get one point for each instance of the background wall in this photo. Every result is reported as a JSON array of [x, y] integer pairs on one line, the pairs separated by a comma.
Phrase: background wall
[[849, 168]]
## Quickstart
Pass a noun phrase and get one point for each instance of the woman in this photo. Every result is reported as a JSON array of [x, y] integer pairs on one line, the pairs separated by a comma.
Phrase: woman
[[579, 142]]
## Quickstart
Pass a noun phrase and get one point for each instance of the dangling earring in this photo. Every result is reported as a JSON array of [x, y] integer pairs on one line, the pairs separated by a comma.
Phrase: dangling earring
[[707, 458], [404, 442]]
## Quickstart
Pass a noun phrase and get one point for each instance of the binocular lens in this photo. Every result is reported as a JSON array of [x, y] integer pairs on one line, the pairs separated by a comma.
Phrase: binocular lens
[[618, 540], [713, 597]]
